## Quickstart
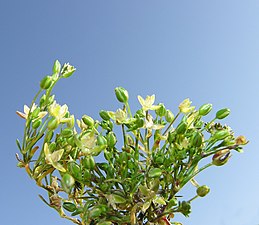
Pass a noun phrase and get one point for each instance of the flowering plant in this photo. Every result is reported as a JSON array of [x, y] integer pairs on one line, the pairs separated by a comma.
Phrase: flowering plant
[[89, 179]]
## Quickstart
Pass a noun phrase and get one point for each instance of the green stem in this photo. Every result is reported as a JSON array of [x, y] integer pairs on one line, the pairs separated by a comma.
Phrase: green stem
[[167, 129]]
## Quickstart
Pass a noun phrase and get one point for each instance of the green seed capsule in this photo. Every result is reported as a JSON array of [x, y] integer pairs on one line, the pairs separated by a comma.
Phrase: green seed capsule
[[221, 114], [202, 190], [88, 120], [46, 82], [75, 171], [205, 109], [89, 163], [69, 206], [56, 67], [95, 212], [36, 124], [53, 124], [104, 115], [155, 172], [66, 133], [197, 139], [121, 94], [221, 157], [172, 202], [101, 140], [67, 182], [111, 139], [162, 110], [181, 128], [220, 135]]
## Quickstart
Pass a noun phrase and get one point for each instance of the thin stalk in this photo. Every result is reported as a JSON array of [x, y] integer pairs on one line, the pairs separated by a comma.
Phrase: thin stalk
[[167, 129]]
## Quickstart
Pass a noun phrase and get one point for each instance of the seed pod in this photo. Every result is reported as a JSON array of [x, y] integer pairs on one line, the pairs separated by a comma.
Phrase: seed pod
[[75, 170], [185, 208], [169, 116], [111, 139], [197, 139], [46, 82], [87, 175], [66, 133], [88, 120], [53, 123], [36, 123], [89, 163], [104, 115], [172, 202], [155, 172], [221, 157], [181, 128], [121, 94], [49, 136], [69, 206], [220, 135], [221, 114], [205, 109], [67, 182], [202, 190], [161, 111]]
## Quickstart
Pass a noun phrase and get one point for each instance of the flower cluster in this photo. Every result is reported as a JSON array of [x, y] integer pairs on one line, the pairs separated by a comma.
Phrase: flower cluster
[[137, 183]]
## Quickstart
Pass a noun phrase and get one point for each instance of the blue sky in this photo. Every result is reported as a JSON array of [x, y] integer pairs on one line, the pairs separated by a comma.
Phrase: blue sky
[[205, 50]]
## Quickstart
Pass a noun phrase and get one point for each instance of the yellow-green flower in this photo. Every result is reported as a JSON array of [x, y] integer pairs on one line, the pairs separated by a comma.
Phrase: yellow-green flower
[[185, 106], [120, 116], [27, 110], [59, 112], [88, 142], [149, 124], [53, 158], [147, 104]]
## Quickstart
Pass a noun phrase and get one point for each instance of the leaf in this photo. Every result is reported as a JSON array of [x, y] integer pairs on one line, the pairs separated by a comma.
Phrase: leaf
[[145, 206]]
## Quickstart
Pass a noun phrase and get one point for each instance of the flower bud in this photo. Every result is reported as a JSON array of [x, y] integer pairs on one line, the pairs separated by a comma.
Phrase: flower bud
[[161, 111], [46, 82], [221, 157], [75, 170], [155, 172], [172, 202], [89, 162], [104, 115], [67, 70], [53, 123], [36, 124], [111, 139], [67, 182], [56, 67], [202, 190], [88, 121], [221, 114], [220, 135], [101, 140], [169, 116], [205, 109], [241, 140], [121, 94]]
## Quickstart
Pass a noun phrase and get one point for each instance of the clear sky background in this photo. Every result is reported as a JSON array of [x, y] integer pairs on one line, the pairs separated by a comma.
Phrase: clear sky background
[[205, 50]]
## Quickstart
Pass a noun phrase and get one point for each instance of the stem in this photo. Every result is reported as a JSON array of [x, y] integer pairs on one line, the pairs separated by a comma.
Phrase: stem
[[128, 109], [167, 129]]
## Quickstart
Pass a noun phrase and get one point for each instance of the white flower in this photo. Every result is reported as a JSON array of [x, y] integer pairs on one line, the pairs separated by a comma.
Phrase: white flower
[[149, 124], [147, 104], [120, 116], [59, 112], [28, 111], [53, 158]]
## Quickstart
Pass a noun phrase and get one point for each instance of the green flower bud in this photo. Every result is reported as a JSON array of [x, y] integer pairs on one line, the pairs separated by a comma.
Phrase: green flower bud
[[172, 202], [67, 70], [88, 120], [181, 128], [67, 132], [169, 116], [89, 163], [87, 176], [53, 123], [49, 136], [104, 115], [67, 182], [69, 206], [221, 114], [155, 172], [205, 109], [202, 190], [36, 123], [42, 100], [162, 110], [221, 157], [220, 135], [52, 146], [96, 211], [197, 139], [111, 139], [56, 67], [121, 94], [46, 82], [185, 208], [101, 140]]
